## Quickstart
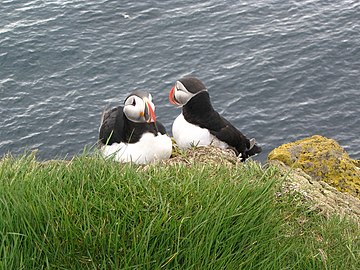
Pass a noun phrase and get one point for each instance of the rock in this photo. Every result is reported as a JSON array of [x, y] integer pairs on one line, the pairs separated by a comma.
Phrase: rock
[[324, 160], [321, 196]]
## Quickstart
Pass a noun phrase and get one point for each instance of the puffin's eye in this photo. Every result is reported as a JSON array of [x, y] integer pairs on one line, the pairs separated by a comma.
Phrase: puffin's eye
[[180, 87], [134, 102]]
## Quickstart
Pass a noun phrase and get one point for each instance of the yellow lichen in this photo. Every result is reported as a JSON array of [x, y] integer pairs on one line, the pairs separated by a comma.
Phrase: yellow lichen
[[323, 159]]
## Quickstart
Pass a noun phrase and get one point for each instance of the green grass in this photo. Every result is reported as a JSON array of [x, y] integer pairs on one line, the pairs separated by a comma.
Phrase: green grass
[[94, 214]]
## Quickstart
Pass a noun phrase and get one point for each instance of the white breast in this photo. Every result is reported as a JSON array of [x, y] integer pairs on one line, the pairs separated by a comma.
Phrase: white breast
[[148, 149], [187, 135]]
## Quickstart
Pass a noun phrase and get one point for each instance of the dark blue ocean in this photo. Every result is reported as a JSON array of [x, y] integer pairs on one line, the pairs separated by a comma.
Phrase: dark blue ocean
[[278, 70]]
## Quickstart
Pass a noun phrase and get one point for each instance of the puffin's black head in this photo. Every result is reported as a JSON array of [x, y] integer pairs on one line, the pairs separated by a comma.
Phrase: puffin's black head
[[184, 89], [139, 107]]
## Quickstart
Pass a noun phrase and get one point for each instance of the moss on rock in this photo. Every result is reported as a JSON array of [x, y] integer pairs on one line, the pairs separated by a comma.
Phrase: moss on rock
[[323, 159]]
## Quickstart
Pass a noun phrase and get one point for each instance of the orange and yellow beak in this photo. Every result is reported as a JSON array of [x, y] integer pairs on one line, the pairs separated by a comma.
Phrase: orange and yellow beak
[[149, 113], [172, 97]]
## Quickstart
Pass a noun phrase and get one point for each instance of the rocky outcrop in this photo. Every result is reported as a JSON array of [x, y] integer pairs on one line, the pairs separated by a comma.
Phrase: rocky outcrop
[[322, 159], [319, 195]]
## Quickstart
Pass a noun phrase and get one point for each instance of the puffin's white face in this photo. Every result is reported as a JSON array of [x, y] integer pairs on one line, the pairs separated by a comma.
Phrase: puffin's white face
[[140, 110], [179, 95]]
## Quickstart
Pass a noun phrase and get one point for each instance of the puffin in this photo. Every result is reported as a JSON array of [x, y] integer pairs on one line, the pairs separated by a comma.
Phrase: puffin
[[130, 133], [200, 125]]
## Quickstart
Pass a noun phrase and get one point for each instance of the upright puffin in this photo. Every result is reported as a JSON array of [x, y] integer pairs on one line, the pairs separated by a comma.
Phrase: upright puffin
[[199, 124], [132, 134]]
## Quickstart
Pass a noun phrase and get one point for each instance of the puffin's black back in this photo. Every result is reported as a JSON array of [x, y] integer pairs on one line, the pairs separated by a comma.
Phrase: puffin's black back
[[108, 133], [116, 128], [200, 112]]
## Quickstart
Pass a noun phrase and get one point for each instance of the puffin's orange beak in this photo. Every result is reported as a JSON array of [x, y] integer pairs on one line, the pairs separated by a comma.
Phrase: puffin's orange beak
[[149, 113], [172, 96]]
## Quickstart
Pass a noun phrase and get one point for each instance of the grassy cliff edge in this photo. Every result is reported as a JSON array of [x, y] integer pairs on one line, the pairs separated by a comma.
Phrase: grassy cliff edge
[[96, 214]]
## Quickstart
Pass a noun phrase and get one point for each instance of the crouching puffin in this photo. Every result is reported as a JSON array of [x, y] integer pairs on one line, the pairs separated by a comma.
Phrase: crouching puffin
[[199, 124], [132, 134]]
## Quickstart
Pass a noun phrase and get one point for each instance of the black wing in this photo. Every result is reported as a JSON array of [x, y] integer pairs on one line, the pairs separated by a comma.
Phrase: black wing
[[112, 126], [234, 138], [201, 113], [226, 132], [160, 127]]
